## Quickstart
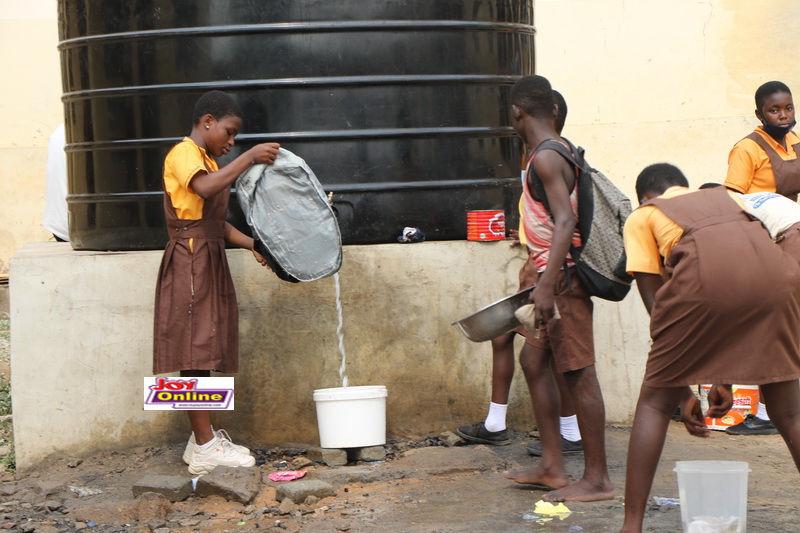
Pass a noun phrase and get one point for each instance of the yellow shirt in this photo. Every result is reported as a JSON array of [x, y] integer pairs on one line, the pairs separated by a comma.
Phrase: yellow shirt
[[650, 235], [183, 162], [749, 169], [523, 241]]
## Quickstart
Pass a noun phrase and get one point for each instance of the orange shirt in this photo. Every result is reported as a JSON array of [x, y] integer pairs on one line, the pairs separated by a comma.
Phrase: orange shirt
[[650, 235], [182, 163], [749, 169]]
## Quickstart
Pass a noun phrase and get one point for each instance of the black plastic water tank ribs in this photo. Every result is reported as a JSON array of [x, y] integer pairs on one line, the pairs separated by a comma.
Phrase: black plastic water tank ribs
[[400, 107]]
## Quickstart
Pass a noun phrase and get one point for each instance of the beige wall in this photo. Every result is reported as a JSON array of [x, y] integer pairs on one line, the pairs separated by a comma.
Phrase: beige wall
[[651, 81], [30, 108]]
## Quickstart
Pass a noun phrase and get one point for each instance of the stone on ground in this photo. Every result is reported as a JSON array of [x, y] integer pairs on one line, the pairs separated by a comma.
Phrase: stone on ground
[[329, 456], [298, 491], [173, 488], [234, 484]]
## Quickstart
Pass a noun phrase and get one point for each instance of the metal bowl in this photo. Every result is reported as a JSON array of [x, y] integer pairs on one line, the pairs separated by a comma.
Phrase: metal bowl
[[494, 319]]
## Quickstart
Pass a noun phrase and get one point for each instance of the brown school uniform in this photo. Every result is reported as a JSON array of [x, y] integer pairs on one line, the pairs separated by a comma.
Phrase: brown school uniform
[[196, 313], [730, 308], [786, 171]]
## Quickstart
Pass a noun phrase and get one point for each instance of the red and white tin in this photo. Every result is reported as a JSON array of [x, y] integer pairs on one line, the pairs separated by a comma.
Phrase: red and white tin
[[486, 225]]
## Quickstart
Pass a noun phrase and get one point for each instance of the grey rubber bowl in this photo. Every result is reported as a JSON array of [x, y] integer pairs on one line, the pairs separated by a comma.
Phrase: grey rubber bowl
[[494, 319]]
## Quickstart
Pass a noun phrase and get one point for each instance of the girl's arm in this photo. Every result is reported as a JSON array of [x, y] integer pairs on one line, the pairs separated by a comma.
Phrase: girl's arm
[[207, 184], [236, 238]]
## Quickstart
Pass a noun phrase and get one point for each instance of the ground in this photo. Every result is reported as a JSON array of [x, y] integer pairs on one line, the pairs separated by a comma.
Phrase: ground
[[419, 488], [422, 486]]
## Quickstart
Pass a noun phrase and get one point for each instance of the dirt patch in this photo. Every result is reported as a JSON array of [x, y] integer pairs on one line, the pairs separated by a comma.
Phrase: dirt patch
[[419, 488]]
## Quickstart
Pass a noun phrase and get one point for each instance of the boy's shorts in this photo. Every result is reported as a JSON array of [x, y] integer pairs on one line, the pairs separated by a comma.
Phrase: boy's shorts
[[571, 337]]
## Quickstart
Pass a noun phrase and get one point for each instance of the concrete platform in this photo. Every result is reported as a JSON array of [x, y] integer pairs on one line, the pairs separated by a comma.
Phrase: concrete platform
[[82, 342]]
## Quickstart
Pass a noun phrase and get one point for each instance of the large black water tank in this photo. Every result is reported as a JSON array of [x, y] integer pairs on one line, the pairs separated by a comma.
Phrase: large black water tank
[[399, 106]]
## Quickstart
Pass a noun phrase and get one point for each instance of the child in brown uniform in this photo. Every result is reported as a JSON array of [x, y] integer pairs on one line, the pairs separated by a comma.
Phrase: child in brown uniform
[[766, 161], [196, 314], [719, 293]]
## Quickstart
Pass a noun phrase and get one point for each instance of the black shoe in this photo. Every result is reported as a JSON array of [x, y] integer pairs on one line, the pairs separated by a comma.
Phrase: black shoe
[[568, 447], [752, 425], [478, 434]]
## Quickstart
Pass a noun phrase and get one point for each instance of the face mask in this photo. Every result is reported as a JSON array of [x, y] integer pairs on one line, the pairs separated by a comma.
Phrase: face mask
[[778, 132]]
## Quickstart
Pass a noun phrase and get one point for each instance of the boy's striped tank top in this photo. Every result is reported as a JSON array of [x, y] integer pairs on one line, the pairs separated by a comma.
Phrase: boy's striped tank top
[[539, 225]]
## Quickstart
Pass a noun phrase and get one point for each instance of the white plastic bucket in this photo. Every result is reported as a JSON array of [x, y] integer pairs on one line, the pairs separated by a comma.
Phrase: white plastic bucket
[[713, 496], [351, 417]]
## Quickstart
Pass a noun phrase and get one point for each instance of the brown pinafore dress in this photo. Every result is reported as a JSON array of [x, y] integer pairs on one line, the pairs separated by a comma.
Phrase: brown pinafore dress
[[786, 171], [730, 308], [196, 314]]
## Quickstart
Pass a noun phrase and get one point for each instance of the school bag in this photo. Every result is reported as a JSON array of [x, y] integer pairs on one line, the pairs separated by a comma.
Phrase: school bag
[[602, 211], [294, 226]]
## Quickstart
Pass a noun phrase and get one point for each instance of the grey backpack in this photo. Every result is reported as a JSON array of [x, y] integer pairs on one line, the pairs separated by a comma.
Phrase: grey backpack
[[291, 220], [602, 211]]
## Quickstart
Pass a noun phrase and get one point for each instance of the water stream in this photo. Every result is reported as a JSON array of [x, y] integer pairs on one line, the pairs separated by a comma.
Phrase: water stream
[[339, 332]]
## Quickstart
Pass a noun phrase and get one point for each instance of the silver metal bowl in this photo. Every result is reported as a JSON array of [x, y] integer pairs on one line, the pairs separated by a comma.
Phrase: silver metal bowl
[[494, 319]]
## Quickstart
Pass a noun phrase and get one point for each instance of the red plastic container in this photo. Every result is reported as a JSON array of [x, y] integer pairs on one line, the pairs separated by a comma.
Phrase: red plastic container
[[486, 225]]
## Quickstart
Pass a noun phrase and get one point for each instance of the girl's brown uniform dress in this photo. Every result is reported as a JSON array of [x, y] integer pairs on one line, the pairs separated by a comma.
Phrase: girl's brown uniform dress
[[786, 171], [196, 314], [729, 311]]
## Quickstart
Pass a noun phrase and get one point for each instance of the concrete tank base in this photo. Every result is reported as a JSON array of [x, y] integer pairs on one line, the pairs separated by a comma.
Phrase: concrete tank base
[[81, 326]]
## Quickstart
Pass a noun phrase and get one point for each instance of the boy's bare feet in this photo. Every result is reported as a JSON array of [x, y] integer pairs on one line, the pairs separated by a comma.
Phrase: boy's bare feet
[[582, 491], [538, 476]]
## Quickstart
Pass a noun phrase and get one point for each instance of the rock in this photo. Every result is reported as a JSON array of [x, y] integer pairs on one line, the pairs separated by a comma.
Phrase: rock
[[234, 484], [355, 474], [156, 524], [287, 506], [450, 438], [301, 462], [9, 525], [329, 456], [5, 450], [173, 488], [151, 506], [189, 522], [369, 453], [79, 526], [298, 491], [161, 530], [311, 499], [7, 489], [47, 529], [75, 463], [46, 488], [53, 505]]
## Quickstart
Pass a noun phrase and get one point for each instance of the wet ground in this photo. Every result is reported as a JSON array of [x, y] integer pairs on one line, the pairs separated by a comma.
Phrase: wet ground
[[419, 488]]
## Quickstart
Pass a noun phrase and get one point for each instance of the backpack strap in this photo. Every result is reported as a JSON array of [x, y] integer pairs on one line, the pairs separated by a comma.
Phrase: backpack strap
[[538, 187]]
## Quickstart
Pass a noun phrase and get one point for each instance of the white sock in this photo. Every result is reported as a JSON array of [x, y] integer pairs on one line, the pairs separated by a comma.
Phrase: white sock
[[208, 444], [496, 419], [762, 412], [569, 428]]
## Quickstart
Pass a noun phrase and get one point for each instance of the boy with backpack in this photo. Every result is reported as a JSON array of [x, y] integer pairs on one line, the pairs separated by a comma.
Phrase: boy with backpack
[[492, 431], [567, 342]]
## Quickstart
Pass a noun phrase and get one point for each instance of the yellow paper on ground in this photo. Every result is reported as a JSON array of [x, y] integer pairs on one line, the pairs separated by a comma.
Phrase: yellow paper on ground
[[559, 510]]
